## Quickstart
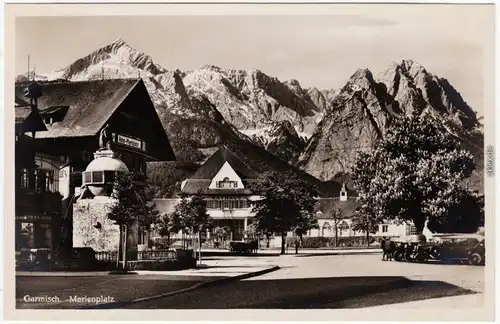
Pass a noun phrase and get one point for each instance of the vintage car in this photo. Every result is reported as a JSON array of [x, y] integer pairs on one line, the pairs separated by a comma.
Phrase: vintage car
[[463, 248], [243, 248]]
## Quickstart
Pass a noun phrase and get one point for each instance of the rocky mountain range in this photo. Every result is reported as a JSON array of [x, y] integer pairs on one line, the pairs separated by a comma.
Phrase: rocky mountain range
[[317, 130]]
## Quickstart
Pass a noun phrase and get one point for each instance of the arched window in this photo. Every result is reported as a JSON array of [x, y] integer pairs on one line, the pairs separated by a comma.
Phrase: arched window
[[226, 183], [343, 226]]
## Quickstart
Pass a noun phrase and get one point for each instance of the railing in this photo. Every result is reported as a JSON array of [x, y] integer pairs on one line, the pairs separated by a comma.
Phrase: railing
[[156, 255], [106, 255], [141, 255]]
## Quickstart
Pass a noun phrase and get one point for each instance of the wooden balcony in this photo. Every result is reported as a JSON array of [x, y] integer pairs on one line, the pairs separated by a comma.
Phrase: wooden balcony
[[31, 205]]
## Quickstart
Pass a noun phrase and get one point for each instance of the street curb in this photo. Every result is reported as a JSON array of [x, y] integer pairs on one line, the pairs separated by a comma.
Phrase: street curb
[[180, 291], [335, 254]]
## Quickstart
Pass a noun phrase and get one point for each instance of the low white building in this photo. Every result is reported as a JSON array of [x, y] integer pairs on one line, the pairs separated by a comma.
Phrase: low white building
[[224, 181]]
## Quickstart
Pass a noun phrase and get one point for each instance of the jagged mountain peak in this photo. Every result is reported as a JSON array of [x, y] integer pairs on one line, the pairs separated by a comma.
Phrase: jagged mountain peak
[[361, 78], [409, 65], [408, 68], [115, 56], [295, 86], [119, 42], [361, 73], [365, 107], [211, 67]]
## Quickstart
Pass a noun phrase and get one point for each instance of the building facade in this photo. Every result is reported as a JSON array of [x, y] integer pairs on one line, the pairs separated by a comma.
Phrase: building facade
[[37, 198], [75, 115], [224, 181]]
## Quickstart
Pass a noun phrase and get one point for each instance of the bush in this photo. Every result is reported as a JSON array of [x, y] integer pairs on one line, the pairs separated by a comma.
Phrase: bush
[[329, 242]]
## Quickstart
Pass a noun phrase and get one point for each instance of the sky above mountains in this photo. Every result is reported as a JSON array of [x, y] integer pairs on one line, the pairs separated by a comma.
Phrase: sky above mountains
[[320, 51]]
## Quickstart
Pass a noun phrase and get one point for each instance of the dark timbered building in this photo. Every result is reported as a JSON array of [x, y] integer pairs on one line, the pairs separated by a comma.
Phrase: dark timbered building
[[74, 113]]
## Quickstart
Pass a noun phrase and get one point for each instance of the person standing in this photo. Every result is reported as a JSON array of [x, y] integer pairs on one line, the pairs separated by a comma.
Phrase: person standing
[[382, 246], [388, 249]]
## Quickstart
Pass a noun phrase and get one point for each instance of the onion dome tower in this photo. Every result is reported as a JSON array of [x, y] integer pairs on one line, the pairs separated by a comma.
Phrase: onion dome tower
[[99, 176]]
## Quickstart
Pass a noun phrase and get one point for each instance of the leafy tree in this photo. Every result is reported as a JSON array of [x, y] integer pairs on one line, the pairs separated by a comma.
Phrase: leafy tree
[[305, 223], [287, 203], [127, 208], [251, 231], [336, 216], [415, 174], [220, 234], [150, 219], [166, 227], [190, 216], [365, 220]]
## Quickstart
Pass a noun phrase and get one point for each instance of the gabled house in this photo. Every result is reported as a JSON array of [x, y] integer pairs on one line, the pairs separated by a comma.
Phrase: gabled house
[[224, 180], [75, 113]]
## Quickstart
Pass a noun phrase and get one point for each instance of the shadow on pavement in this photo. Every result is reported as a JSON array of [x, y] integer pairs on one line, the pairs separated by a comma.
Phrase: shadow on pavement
[[122, 289], [307, 293]]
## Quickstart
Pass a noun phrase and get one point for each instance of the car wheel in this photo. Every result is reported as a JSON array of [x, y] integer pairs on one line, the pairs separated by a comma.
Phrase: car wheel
[[475, 259]]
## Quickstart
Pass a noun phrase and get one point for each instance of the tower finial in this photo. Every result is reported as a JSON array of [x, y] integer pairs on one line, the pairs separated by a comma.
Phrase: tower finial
[[343, 192], [28, 68]]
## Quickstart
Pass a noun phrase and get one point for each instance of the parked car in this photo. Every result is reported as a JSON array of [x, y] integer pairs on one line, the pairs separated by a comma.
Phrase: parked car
[[464, 248]]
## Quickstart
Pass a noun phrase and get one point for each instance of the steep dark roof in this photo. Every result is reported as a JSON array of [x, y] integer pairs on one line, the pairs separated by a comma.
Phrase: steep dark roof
[[27, 120], [202, 178], [262, 161], [91, 104], [347, 207], [193, 186], [20, 101], [210, 168]]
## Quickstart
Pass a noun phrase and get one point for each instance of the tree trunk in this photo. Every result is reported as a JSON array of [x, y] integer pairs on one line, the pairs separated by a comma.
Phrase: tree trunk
[[283, 242], [193, 241], [147, 239], [120, 248], [125, 239], [367, 238], [199, 237], [268, 238], [419, 223], [336, 235]]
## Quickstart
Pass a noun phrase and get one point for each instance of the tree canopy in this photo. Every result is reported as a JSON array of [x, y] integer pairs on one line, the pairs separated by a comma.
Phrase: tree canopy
[[416, 173], [190, 215], [127, 192], [287, 203]]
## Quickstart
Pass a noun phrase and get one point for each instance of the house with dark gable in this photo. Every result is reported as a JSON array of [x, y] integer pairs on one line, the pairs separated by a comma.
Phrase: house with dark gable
[[74, 114], [224, 181]]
